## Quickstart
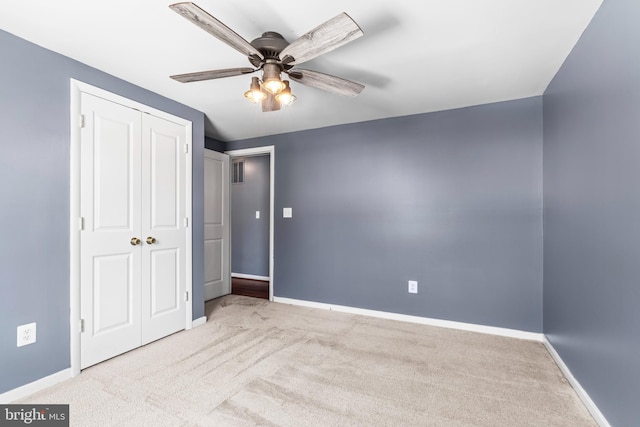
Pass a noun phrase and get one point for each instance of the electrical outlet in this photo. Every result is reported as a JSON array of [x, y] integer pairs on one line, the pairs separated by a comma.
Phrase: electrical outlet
[[413, 287], [26, 334]]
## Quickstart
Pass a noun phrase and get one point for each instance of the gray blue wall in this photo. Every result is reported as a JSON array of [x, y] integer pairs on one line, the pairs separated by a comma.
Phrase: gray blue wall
[[592, 211], [451, 199], [34, 202], [214, 144], [249, 235]]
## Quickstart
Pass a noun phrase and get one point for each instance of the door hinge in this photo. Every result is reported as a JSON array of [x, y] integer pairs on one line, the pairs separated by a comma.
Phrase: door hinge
[[186, 296], [186, 222], [81, 121], [81, 325], [186, 148], [81, 223]]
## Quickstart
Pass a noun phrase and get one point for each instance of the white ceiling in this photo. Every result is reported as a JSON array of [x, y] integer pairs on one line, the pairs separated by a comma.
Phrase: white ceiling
[[415, 56]]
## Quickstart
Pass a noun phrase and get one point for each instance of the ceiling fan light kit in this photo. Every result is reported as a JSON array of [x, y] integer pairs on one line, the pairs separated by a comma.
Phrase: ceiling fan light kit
[[271, 77], [255, 94], [272, 54], [285, 97]]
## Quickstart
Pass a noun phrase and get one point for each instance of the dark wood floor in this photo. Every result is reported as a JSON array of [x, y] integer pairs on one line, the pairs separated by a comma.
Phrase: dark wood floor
[[250, 288]]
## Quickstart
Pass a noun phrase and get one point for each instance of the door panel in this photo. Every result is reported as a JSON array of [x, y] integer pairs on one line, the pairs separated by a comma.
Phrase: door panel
[[114, 146], [216, 225], [163, 262], [110, 197], [113, 284], [165, 182], [164, 276], [213, 260]]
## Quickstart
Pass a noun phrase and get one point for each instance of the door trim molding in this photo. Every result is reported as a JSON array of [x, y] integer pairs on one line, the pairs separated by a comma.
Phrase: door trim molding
[[271, 151], [76, 88]]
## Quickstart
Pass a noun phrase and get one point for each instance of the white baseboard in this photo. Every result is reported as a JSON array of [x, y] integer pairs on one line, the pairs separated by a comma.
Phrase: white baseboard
[[250, 277], [29, 389], [582, 394], [199, 322], [492, 330]]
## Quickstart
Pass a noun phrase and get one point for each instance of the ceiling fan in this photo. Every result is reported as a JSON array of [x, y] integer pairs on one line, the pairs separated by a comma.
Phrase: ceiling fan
[[272, 54]]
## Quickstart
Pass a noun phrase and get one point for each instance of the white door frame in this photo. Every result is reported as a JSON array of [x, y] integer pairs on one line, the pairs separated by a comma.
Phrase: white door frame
[[270, 150], [78, 87]]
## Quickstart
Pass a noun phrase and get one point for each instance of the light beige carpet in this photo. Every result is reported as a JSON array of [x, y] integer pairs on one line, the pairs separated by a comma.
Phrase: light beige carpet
[[270, 364]]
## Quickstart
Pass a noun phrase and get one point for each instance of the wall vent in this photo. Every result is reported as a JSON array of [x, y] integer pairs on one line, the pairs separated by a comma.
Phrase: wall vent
[[238, 172]]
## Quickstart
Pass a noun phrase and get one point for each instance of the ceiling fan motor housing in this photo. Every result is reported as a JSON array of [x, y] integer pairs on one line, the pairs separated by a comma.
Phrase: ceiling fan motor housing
[[270, 44]]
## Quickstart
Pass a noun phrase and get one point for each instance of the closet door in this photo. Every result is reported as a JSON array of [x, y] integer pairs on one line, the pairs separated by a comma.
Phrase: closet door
[[133, 239], [163, 228], [110, 207]]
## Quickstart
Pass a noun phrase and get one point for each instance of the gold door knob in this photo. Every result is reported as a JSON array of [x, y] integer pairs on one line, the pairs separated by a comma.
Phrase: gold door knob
[[151, 240], [135, 241]]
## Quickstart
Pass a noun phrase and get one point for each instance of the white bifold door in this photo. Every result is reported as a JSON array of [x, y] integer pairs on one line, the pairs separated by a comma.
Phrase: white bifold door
[[133, 229]]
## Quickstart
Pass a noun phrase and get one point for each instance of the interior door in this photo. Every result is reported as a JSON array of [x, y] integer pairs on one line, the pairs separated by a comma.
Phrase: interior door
[[163, 236], [216, 225], [110, 206]]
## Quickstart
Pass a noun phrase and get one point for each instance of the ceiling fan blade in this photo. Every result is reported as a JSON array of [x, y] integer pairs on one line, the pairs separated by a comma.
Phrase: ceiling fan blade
[[326, 82], [211, 74], [202, 19], [322, 39]]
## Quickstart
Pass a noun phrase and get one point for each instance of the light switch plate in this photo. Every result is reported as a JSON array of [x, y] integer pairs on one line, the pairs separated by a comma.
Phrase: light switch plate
[[257, 214], [287, 212]]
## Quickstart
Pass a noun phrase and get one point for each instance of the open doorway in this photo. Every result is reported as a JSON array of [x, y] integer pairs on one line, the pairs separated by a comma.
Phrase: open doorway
[[252, 221]]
